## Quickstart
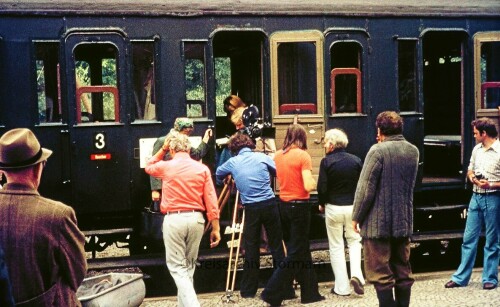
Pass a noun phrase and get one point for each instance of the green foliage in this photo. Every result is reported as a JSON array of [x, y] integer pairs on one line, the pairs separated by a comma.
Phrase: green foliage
[[222, 83], [194, 72], [40, 79]]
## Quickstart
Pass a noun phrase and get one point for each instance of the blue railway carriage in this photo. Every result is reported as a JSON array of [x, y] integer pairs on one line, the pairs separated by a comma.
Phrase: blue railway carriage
[[97, 81]]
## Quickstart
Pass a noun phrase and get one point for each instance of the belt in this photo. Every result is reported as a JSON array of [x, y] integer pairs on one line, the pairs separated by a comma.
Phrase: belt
[[290, 202], [181, 211], [488, 193]]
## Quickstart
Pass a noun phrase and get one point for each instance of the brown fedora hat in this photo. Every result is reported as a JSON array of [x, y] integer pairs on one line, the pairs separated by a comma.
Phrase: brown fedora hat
[[20, 148]]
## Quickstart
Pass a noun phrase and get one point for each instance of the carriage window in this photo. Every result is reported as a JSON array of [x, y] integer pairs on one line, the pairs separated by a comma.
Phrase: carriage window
[[297, 72], [238, 67], [297, 78], [490, 75], [96, 80], [144, 80], [407, 75], [487, 70], [194, 79], [47, 82], [345, 77]]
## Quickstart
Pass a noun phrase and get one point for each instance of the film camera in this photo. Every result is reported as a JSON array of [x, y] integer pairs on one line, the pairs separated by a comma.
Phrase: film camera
[[260, 129], [479, 175], [255, 127]]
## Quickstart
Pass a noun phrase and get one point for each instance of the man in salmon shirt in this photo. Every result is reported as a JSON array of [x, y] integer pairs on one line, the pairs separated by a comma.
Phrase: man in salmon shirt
[[187, 192]]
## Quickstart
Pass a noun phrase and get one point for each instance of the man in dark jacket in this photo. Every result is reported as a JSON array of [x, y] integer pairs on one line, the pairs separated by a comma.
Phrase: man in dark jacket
[[44, 249], [383, 211]]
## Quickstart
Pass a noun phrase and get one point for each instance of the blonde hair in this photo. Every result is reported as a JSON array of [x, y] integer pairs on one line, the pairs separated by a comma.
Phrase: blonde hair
[[237, 116]]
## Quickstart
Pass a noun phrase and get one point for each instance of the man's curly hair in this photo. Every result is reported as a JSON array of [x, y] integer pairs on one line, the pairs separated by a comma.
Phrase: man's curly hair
[[239, 141]]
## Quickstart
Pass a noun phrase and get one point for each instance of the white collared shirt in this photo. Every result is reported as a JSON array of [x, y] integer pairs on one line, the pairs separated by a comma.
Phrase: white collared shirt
[[487, 162]]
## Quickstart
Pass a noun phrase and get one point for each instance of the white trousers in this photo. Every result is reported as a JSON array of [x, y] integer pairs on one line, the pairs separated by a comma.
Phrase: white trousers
[[182, 234], [338, 219]]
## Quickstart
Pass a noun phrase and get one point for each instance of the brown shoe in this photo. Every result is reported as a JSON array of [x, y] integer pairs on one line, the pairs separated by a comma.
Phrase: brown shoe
[[489, 286], [358, 287], [452, 284]]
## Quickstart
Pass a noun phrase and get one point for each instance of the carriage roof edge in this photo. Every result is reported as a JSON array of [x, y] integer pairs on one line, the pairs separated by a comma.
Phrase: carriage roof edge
[[443, 8]]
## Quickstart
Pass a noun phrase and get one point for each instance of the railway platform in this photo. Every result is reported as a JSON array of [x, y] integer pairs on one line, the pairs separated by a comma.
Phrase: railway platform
[[428, 290]]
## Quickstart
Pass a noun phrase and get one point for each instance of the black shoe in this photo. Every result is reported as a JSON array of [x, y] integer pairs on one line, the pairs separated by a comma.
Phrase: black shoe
[[314, 299], [273, 303], [358, 287], [332, 291], [452, 284], [489, 286]]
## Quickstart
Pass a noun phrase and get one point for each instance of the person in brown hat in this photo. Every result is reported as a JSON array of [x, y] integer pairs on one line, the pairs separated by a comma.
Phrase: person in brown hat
[[44, 249]]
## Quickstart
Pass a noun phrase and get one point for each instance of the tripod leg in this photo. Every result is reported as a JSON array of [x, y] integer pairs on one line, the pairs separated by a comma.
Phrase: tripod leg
[[229, 267], [224, 201], [238, 248], [221, 202]]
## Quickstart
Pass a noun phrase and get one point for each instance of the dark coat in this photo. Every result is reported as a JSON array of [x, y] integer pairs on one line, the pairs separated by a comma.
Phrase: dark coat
[[43, 246], [6, 298], [383, 204]]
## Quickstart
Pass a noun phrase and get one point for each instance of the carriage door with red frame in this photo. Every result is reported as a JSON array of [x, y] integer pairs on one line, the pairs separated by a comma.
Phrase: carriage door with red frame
[[96, 78]]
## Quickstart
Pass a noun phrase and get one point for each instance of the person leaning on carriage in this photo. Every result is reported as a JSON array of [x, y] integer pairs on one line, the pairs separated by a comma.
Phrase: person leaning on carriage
[[185, 126], [252, 173], [383, 209], [44, 249], [294, 173], [187, 192]]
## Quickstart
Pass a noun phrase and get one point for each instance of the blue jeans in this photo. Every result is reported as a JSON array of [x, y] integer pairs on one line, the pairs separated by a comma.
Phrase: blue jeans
[[483, 210]]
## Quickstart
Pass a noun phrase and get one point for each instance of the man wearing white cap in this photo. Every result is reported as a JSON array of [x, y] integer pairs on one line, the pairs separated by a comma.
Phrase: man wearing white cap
[[44, 249]]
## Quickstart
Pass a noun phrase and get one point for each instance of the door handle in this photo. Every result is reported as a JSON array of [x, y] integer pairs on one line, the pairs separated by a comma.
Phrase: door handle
[[319, 141]]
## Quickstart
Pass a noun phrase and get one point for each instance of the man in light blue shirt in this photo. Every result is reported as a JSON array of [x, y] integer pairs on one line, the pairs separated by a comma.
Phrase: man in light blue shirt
[[252, 173]]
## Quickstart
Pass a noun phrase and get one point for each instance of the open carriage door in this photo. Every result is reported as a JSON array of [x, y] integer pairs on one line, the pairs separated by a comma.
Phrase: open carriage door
[[297, 87], [443, 95], [96, 78]]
